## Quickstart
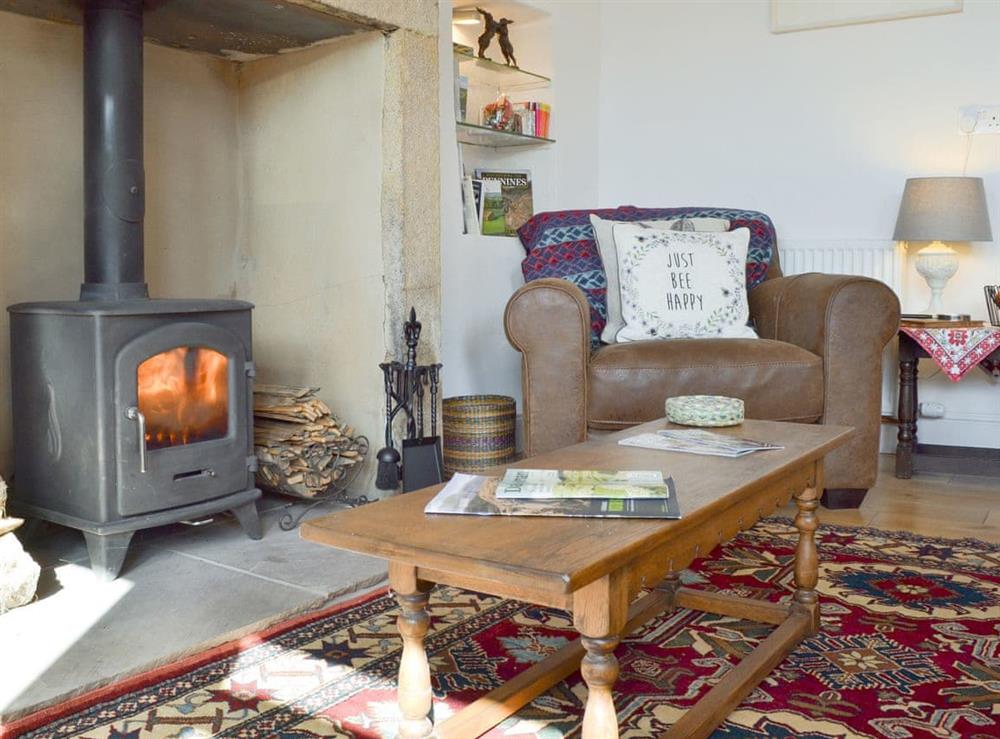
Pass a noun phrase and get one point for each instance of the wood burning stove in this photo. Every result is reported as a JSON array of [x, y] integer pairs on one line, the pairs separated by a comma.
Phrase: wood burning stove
[[128, 412]]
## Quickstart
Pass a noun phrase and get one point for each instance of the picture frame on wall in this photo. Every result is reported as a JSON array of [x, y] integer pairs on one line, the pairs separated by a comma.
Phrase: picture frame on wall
[[804, 15]]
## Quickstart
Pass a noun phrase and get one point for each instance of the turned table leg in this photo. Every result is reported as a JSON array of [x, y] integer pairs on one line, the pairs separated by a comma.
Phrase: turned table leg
[[806, 555], [599, 668], [906, 438], [414, 691], [600, 611]]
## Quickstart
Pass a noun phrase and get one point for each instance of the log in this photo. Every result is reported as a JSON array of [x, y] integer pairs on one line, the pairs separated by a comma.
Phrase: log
[[302, 449]]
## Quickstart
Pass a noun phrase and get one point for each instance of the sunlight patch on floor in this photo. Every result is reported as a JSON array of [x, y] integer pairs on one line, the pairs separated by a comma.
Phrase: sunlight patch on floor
[[35, 636]]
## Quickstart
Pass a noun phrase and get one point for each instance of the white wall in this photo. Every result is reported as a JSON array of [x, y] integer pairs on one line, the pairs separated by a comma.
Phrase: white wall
[[701, 104], [191, 152], [479, 273], [310, 256]]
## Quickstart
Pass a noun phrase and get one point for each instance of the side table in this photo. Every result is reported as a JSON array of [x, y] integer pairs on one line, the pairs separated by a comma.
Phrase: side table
[[956, 351]]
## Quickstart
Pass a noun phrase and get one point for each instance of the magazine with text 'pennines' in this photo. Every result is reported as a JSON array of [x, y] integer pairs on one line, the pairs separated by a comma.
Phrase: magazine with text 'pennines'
[[475, 495], [698, 441], [560, 484]]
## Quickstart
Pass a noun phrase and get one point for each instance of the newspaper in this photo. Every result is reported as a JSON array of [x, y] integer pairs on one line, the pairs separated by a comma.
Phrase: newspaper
[[698, 441], [557, 484], [475, 495]]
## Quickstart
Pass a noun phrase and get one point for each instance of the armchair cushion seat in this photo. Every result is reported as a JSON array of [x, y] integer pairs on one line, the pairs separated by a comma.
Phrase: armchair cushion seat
[[778, 381]]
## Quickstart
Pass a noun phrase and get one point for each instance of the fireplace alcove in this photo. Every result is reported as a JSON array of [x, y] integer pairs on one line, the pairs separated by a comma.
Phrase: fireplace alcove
[[95, 346]]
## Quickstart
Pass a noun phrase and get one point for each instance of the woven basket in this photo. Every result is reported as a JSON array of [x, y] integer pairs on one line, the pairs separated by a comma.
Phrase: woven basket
[[478, 432]]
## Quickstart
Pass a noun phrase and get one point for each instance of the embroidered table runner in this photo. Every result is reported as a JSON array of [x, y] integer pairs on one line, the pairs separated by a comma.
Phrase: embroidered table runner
[[957, 350]]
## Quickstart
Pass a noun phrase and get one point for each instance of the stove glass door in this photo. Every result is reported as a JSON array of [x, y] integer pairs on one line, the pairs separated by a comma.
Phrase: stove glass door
[[184, 396]]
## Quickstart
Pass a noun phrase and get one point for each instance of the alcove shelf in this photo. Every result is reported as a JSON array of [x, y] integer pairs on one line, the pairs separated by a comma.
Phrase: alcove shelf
[[501, 77], [487, 80], [470, 133]]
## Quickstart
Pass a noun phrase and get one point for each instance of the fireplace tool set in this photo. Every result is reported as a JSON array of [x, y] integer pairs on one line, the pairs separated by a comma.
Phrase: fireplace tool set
[[407, 386]]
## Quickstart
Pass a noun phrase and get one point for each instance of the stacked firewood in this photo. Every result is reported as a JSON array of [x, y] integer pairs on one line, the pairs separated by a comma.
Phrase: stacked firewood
[[301, 448]]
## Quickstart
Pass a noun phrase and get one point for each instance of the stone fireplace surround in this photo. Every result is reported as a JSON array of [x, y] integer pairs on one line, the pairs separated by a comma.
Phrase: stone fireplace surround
[[305, 182]]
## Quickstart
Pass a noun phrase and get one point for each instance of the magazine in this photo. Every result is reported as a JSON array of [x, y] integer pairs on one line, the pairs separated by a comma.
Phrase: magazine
[[470, 209], [698, 441], [491, 216], [475, 495], [517, 206], [508, 177], [559, 484], [477, 193]]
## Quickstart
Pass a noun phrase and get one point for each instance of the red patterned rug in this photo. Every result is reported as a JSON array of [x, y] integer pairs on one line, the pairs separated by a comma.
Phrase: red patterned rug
[[910, 648]]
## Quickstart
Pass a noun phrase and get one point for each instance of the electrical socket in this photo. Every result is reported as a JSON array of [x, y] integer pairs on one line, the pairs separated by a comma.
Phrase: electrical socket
[[977, 119], [931, 410]]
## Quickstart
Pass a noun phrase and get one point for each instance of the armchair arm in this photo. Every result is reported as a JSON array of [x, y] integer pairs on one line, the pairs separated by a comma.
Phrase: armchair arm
[[548, 321], [847, 321]]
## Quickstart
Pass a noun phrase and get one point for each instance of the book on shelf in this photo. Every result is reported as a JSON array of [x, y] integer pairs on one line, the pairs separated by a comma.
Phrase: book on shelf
[[533, 118], [698, 441], [475, 495], [542, 117], [526, 118], [559, 484], [462, 101]]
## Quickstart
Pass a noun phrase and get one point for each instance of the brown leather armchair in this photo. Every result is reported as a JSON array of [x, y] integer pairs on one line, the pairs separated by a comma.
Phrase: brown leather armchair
[[818, 360]]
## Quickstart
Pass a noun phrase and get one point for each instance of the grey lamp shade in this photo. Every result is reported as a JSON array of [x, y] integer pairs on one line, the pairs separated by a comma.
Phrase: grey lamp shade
[[943, 209]]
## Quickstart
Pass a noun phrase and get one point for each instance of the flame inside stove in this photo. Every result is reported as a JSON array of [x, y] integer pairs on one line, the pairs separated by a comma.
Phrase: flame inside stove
[[184, 395]]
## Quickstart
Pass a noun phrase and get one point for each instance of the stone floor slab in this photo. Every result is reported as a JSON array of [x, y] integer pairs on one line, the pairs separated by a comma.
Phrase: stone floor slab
[[282, 556], [182, 589]]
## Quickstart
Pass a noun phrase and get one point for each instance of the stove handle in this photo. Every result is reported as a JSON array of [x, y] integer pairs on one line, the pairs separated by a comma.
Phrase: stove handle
[[134, 414]]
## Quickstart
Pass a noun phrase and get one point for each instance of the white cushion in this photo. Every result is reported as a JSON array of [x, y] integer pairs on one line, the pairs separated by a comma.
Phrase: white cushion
[[682, 284], [606, 246]]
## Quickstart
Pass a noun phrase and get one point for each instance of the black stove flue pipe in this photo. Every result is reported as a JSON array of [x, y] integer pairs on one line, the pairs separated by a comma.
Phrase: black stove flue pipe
[[114, 180]]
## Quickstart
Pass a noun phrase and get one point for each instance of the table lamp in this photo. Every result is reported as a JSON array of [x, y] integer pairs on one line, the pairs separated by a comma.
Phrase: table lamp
[[939, 209]]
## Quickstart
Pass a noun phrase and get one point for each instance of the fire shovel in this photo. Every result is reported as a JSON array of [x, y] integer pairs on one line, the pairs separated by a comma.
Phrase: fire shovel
[[422, 462]]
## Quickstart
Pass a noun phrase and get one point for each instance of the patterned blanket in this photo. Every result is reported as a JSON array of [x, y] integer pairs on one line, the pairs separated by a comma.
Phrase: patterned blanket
[[561, 244]]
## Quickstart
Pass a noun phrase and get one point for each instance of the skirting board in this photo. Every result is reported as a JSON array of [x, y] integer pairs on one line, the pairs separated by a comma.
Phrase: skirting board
[[974, 430]]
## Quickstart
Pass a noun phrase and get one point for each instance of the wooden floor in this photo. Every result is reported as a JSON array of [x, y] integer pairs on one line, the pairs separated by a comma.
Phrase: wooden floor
[[954, 506]]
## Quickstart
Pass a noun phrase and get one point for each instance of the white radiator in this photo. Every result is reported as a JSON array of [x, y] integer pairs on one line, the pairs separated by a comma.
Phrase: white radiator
[[882, 260]]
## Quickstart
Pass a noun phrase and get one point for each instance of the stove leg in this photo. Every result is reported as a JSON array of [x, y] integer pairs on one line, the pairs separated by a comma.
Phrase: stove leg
[[246, 514], [107, 553]]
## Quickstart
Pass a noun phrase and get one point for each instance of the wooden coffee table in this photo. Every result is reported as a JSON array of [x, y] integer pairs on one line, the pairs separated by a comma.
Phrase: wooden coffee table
[[594, 568]]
